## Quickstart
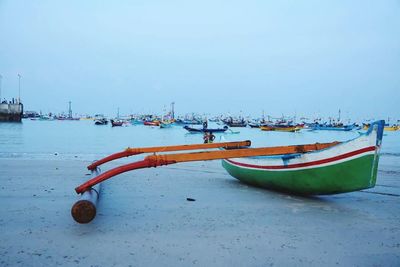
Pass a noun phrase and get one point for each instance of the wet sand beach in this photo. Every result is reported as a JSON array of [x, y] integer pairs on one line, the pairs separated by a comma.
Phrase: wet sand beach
[[312, 88], [144, 219]]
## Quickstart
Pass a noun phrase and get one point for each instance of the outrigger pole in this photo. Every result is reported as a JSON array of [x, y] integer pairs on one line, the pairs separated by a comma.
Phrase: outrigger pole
[[234, 150], [135, 151]]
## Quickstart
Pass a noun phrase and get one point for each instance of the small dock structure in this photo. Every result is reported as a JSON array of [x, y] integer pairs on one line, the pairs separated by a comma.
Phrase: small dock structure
[[11, 112]]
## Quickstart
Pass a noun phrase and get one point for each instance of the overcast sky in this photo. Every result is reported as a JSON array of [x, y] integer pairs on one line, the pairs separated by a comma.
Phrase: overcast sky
[[284, 57]]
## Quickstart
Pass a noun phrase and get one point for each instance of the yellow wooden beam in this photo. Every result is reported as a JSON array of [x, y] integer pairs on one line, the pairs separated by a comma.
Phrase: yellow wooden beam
[[226, 145], [235, 153]]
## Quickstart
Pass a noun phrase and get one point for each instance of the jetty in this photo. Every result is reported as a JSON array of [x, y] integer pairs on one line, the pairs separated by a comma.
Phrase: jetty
[[11, 112]]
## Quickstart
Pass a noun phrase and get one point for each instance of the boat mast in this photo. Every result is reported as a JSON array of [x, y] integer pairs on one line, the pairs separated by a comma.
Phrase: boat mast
[[163, 113], [172, 111], [19, 88], [69, 110], [263, 117]]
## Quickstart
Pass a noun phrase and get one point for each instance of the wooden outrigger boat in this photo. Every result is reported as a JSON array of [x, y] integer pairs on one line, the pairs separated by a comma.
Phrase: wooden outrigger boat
[[313, 169], [344, 167]]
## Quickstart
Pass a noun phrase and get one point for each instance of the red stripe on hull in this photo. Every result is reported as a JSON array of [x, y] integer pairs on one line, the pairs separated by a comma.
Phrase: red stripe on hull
[[307, 164]]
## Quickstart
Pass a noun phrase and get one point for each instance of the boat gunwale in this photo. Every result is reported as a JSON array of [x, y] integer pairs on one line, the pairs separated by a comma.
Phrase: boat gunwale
[[314, 164]]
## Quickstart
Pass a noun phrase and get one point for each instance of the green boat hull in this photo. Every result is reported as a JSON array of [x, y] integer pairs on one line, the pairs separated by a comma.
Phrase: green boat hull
[[352, 175]]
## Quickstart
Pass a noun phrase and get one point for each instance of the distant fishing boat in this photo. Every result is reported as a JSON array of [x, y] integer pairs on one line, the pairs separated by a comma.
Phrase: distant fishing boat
[[165, 124], [100, 121], [236, 123], [387, 127], [136, 121], [46, 118], [188, 122], [331, 127], [116, 122], [203, 130], [151, 123], [65, 118], [87, 118], [166, 120], [392, 128], [280, 128], [254, 125], [365, 126]]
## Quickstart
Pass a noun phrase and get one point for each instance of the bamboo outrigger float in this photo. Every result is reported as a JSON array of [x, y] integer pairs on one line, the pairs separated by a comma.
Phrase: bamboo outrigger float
[[313, 169], [85, 209]]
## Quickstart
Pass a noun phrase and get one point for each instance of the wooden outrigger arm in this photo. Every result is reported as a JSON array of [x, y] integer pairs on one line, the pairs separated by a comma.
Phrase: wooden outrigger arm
[[167, 159], [135, 151]]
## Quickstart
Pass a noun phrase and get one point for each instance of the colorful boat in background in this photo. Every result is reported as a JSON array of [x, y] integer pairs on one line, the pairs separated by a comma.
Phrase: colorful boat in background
[[392, 128], [365, 126], [332, 127], [254, 124], [135, 121], [235, 122], [65, 118], [151, 123], [344, 167], [166, 124], [203, 130], [167, 120], [46, 118], [280, 128], [188, 120], [100, 121], [117, 122]]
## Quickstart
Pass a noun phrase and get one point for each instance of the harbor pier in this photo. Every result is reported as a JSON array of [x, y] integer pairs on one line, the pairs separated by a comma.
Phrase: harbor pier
[[11, 112]]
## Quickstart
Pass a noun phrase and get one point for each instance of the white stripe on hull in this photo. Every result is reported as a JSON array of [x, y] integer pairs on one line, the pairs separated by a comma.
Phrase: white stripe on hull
[[233, 161], [358, 143]]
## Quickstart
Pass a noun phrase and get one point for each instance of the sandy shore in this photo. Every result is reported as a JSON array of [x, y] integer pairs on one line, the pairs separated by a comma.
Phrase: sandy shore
[[144, 219]]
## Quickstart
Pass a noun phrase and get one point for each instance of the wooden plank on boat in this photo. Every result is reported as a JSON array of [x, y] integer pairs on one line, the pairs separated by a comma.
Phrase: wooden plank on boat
[[238, 153], [135, 151]]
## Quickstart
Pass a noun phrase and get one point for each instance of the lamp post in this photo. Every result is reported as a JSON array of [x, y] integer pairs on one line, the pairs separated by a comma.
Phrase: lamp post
[[19, 88]]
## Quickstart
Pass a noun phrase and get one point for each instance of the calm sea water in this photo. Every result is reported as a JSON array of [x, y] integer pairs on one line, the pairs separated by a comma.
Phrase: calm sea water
[[83, 140]]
